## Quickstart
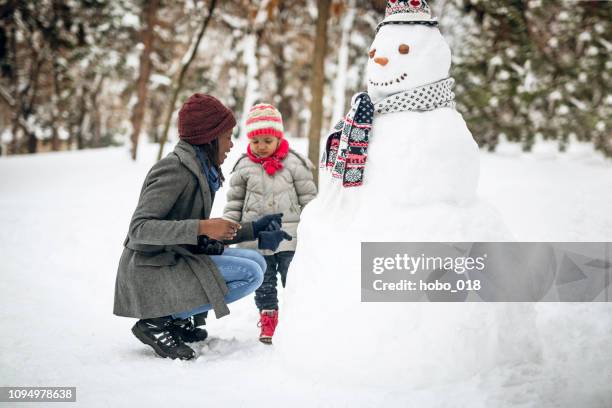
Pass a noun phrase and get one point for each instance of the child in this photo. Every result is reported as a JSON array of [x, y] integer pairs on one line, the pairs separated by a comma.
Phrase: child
[[270, 178]]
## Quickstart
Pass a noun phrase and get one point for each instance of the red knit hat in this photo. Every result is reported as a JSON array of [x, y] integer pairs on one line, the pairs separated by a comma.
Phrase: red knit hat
[[264, 120], [203, 118]]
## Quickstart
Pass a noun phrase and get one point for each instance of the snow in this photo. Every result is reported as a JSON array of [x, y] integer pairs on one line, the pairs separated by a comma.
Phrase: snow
[[159, 79], [6, 136], [64, 217], [130, 20]]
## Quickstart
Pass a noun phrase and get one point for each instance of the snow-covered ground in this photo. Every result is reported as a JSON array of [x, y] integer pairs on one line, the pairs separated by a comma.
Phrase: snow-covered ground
[[63, 218]]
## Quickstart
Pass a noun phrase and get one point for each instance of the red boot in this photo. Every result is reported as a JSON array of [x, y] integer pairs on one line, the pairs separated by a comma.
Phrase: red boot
[[268, 319]]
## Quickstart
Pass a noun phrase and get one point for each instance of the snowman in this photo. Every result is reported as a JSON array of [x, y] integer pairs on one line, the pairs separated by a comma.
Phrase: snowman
[[401, 166]]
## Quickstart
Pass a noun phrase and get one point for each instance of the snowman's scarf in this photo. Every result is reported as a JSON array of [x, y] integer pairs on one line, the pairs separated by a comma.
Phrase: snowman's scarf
[[346, 150]]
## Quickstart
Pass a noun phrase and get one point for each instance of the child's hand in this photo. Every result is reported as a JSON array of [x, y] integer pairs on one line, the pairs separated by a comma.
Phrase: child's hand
[[219, 229], [274, 226], [263, 224], [272, 239]]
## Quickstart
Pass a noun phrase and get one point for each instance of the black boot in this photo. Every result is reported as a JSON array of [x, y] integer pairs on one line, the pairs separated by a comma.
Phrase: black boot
[[188, 332], [161, 335]]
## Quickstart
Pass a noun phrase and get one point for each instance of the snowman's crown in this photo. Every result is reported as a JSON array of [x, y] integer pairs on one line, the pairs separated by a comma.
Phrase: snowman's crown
[[408, 12]]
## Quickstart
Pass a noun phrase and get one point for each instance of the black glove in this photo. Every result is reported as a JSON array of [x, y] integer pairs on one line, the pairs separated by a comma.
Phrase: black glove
[[209, 246], [272, 222], [272, 239], [274, 225]]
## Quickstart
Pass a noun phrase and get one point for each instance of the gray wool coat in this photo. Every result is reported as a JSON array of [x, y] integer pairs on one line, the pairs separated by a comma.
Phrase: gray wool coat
[[254, 193], [157, 274]]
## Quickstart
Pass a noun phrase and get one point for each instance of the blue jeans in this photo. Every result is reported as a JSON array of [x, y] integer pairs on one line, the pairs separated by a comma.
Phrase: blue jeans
[[243, 271]]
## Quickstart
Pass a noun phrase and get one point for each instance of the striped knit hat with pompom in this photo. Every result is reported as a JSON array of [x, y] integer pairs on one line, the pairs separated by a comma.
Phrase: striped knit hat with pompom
[[264, 120]]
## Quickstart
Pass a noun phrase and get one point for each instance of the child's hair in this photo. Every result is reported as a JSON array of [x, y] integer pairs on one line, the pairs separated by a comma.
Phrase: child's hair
[[211, 153]]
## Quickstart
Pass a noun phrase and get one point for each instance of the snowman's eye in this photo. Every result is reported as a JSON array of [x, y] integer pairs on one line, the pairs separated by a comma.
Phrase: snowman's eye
[[403, 49], [372, 53]]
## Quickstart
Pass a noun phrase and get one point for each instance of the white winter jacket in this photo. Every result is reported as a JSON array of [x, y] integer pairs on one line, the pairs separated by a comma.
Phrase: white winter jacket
[[254, 193]]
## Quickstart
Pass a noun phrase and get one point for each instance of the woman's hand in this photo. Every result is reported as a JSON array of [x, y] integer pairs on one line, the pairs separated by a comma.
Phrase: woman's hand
[[219, 229]]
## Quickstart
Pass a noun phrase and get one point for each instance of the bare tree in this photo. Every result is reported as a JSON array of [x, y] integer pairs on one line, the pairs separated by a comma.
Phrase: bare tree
[[149, 12], [179, 80], [318, 80], [24, 76], [259, 16], [347, 23]]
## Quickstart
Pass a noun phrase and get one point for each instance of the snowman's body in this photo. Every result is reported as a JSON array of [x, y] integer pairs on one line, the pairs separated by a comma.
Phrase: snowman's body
[[406, 158], [419, 185], [431, 154]]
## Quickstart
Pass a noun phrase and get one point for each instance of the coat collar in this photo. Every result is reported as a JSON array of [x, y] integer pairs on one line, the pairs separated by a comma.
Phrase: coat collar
[[187, 156]]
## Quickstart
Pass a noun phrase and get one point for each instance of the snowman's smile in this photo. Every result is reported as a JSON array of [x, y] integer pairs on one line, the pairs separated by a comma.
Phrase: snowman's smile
[[391, 82]]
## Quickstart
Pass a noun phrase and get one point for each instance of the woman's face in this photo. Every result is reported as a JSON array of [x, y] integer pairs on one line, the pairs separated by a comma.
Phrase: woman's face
[[264, 146], [225, 145]]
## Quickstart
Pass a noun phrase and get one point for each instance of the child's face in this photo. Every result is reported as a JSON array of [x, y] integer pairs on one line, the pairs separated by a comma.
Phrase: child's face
[[264, 146]]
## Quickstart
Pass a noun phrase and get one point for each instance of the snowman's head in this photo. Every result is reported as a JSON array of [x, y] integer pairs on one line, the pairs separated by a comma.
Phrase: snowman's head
[[406, 56]]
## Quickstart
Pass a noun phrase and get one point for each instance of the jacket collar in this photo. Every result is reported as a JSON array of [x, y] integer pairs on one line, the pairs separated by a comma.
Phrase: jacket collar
[[187, 156]]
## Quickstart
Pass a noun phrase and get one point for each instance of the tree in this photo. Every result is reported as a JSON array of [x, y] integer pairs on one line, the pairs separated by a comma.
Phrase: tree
[[317, 83], [79, 74], [258, 16], [149, 13], [181, 76], [346, 23], [538, 68], [50, 68]]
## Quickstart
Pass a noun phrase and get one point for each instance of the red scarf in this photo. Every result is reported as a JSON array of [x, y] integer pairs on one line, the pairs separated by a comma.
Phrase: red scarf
[[273, 162]]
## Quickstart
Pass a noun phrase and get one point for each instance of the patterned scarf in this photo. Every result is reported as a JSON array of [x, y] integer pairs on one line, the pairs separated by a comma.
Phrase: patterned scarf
[[346, 150], [273, 162], [210, 172]]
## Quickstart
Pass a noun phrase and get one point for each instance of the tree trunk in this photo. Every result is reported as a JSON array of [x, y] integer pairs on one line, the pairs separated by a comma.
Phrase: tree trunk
[[83, 121], [15, 111], [32, 142], [179, 82], [27, 110], [234, 75], [251, 93], [318, 81], [19, 107], [55, 108], [284, 103], [379, 5], [342, 67], [280, 69], [95, 121], [250, 55], [149, 12]]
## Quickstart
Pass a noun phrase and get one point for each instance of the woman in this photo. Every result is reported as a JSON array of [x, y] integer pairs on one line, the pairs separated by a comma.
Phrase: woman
[[174, 267]]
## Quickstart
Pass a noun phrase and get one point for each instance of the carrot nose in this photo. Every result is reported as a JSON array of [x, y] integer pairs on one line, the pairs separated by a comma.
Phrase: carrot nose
[[381, 60]]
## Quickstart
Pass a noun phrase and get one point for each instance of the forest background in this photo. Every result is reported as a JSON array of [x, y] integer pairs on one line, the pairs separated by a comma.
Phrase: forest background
[[77, 74]]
